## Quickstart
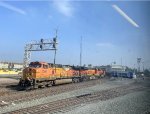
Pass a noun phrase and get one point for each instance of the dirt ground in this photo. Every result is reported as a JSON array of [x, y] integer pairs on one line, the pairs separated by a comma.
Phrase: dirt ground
[[8, 80]]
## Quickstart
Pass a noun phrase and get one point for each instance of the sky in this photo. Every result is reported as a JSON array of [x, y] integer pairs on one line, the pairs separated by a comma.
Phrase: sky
[[111, 31]]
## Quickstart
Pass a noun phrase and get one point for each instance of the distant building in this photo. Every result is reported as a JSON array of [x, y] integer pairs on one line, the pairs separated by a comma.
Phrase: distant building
[[10, 65], [112, 68], [117, 68], [3, 65], [18, 65], [106, 68]]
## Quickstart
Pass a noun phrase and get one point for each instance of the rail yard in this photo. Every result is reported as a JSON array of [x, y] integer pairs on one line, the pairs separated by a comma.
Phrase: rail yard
[[97, 61], [47, 88], [67, 98]]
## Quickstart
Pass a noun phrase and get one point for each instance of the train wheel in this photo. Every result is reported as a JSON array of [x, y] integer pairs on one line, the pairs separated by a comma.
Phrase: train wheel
[[53, 82], [41, 85], [92, 77], [84, 78], [49, 84], [75, 80], [35, 86]]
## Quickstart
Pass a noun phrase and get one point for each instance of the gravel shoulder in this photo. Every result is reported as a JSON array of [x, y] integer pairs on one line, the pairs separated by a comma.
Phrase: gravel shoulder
[[133, 103], [99, 87]]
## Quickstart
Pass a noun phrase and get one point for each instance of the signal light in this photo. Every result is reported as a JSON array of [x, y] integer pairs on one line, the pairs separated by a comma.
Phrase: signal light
[[42, 40], [54, 45], [41, 46], [54, 40]]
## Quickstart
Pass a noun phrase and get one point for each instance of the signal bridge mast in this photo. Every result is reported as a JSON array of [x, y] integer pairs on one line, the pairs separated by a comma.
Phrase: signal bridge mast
[[42, 45]]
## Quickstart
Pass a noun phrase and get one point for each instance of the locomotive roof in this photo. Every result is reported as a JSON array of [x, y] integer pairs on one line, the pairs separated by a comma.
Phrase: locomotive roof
[[37, 62], [61, 66]]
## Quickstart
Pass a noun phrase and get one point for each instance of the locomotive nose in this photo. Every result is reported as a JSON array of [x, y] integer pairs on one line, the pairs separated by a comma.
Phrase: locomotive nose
[[29, 71]]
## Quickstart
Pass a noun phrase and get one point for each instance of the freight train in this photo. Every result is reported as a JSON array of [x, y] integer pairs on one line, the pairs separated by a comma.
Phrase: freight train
[[41, 74]]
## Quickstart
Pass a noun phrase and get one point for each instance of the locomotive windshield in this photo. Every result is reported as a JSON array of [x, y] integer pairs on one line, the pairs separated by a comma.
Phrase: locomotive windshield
[[35, 65]]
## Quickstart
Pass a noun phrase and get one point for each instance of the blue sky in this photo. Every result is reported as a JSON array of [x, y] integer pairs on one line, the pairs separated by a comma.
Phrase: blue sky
[[108, 35]]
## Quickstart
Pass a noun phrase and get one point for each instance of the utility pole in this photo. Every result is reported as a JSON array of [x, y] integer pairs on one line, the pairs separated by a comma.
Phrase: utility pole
[[121, 61], [138, 62], [54, 46], [80, 55], [121, 65], [143, 66], [134, 68], [81, 52]]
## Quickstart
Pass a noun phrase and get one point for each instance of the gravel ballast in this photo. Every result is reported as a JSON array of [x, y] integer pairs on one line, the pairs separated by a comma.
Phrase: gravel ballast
[[133, 103], [95, 106]]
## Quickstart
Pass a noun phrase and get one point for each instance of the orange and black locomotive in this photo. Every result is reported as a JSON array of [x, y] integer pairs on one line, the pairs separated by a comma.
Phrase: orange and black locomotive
[[43, 74]]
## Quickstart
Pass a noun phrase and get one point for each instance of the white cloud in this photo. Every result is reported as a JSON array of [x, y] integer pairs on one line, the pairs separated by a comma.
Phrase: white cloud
[[105, 44], [122, 13], [13, 8], [64, 7]]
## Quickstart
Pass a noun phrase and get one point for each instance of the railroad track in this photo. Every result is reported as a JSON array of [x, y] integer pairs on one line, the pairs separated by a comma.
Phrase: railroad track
[[65, 105], [23, 96]]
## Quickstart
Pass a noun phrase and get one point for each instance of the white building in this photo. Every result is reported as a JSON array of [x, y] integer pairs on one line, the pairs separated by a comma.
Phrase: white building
[[18, 66], [10, 65], [3, 65], [117, 68], [111, 68]]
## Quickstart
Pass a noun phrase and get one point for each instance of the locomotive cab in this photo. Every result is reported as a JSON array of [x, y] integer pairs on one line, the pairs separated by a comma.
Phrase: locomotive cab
[[35, 72]]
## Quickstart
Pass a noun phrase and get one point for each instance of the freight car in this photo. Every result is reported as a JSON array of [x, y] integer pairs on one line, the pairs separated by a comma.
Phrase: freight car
[[41, 74], [123, 74]]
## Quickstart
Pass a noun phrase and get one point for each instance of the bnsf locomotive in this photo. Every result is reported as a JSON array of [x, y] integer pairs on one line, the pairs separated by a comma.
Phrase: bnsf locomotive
[[40, 74]]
